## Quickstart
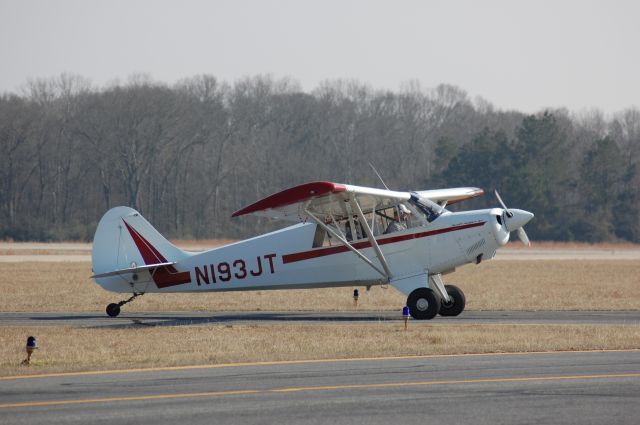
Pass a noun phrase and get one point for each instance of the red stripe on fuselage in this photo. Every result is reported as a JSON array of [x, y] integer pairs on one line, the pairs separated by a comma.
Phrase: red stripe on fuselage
[[321, 252], [162, 276]]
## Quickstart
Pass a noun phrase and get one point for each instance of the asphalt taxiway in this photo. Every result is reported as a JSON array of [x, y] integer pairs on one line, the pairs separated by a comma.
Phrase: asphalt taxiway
[[97, 319], [542, 388]]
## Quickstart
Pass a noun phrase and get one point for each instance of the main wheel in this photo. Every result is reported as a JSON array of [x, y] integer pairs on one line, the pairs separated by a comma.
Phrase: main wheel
[[113, 310], [457, 303], [423, 304]]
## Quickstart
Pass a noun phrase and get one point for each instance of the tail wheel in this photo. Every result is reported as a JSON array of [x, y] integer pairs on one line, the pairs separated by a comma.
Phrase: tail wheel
[[113, 310], [423, 304], [457, 303]]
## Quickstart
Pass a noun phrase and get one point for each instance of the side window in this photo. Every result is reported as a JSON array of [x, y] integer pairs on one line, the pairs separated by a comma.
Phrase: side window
[[349, 232], [318, 237]]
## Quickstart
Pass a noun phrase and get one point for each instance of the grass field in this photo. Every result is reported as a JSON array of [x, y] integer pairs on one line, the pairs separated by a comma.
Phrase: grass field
[[498, 285], [512, 285], [77, 349]]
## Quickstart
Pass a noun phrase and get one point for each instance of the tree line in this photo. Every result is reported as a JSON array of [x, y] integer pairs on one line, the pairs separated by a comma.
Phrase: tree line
[[188, 155]]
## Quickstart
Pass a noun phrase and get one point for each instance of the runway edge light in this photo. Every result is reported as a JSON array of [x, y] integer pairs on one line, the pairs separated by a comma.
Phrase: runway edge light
[[405, 316], [31, 346]]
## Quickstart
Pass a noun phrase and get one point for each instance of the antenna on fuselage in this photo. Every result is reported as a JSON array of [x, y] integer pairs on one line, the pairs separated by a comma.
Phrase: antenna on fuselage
[[396, 208], [378, 174]]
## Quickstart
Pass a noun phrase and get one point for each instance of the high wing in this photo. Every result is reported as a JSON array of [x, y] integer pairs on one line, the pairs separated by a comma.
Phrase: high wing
[[324, 199], [330, 201]]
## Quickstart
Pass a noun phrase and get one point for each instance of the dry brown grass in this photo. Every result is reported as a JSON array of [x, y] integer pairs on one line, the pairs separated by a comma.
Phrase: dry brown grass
[[496, 285], [4, 252], [537, 285], [74, 349], [551, 285]]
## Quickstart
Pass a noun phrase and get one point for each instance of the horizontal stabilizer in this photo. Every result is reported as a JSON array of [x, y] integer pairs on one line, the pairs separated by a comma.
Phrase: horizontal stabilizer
[[129, 270]]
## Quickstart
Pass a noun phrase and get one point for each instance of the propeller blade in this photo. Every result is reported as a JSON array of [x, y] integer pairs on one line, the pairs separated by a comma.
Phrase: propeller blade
[[517, 218], [504, 207], [499, 199], [522, 235]]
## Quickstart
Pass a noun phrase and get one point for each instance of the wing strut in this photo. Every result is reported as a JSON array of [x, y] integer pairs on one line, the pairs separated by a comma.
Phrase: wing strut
[[348, 245], [336, 224], [355, 206]]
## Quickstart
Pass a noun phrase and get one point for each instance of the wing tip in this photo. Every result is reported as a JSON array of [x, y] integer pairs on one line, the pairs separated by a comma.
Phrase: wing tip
[[474, 192]]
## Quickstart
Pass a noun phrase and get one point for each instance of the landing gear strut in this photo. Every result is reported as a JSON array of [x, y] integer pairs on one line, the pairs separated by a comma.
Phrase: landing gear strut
[[113, 309]]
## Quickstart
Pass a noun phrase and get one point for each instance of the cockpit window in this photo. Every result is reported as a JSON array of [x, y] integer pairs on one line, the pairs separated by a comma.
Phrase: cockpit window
[[430, 209]]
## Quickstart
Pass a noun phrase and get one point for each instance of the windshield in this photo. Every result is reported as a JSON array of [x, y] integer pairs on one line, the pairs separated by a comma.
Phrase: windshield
[[430, 209]]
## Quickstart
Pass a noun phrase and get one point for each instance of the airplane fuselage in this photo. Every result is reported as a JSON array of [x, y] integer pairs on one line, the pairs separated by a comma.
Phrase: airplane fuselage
[[285, 259]]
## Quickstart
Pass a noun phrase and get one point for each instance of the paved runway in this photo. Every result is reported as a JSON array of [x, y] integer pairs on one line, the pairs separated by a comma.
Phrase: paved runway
[[35, 252], [543, 388], [323, 317]]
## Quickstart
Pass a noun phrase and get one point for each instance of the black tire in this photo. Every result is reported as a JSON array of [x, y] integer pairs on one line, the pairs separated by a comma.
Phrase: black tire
[[423, 304], [457, 304], [113, 310]]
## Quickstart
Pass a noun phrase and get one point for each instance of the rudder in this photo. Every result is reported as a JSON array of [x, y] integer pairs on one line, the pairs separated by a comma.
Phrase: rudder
[[125, 239]]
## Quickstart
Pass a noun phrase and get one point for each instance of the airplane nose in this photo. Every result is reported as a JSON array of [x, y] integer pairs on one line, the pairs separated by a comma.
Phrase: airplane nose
[[518, 219]]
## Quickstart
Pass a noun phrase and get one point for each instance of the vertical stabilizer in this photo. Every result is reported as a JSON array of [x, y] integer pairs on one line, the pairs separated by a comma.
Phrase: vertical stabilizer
[[124, 239]]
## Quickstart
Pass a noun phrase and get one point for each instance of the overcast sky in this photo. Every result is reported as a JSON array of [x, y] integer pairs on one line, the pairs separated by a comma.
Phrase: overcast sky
[[524, 55]]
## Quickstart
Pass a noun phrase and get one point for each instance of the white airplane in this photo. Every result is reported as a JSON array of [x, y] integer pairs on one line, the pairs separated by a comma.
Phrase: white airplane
[[406, 239]]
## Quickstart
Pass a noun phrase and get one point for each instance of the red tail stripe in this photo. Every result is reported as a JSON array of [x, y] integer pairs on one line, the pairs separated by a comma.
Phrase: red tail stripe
[[149, 253], [162, 276]]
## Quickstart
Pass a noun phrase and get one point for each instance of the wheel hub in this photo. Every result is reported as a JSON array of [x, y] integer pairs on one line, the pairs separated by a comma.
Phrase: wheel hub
[[422, 304]]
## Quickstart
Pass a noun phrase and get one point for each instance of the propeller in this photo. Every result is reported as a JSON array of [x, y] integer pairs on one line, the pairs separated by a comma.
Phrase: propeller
[[515, 220], [522, 235], [504, 207]]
